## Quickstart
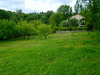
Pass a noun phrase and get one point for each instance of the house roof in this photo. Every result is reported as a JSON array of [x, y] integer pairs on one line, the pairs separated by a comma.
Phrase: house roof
[[77, 17]]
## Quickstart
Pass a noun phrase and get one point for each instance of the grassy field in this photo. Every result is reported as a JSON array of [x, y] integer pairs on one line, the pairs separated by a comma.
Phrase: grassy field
[[60, 54]]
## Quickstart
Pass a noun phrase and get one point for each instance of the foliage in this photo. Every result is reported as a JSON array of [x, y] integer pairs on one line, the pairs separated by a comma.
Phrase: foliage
[[4, 14], [64, 23], [72, 28], [36, 23], [89, 25], [44, 30], [52, 20], [65, 10], [98, 21], [76, 7], [7, 29], [30, 30], [74, 22], [45, 17], [55, 19], [25, 29], [90, 10], [82, 21]]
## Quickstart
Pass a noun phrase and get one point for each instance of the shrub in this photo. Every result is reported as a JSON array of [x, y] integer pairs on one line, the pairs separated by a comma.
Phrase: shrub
[[64, 23], [72, 28], [74, 22], [89, 26]]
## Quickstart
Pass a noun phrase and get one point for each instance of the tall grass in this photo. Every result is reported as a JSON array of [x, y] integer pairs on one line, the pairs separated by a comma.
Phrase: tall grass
[[60, 54]]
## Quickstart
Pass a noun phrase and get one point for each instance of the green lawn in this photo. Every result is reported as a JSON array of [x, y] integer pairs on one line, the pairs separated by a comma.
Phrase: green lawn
[[60, 54]]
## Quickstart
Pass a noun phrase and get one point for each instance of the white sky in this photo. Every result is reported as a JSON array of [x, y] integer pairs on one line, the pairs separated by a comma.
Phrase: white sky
[[34, 5]]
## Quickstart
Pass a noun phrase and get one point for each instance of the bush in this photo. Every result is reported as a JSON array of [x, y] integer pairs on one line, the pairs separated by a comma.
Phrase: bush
[[74, 22], [72, 28], [89, 26], [64, 23], [44, 30], [83, 23]]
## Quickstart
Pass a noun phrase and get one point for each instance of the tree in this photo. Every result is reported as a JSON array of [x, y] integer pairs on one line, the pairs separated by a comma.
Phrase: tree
[[48, 14], [25, 29], [4, 14], [44, 30], [29, 30], [70, 11], [17, 16], [36, 23], [58, 19], [7, 29], [44, 19], [55, 20], [65, 10], [76, 7]]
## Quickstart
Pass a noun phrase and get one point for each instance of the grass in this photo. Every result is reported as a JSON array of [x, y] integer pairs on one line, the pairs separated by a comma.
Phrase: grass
[[60, 54]]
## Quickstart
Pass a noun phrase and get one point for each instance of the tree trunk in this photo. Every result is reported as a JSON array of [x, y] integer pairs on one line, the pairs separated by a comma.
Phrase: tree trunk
[[28, 37]]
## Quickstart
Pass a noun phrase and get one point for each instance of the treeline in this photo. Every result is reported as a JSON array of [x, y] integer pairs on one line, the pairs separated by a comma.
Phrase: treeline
[[63, 12], [18, 24]]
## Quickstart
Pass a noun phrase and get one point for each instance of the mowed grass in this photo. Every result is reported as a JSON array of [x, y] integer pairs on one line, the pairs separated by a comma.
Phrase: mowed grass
[[59, 54]]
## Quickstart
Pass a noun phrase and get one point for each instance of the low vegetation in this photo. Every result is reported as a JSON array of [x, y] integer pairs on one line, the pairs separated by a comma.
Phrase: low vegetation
[[60, 54], [72, 28]]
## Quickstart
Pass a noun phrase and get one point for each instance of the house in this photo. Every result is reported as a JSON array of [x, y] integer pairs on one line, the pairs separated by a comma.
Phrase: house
[[80, 18]]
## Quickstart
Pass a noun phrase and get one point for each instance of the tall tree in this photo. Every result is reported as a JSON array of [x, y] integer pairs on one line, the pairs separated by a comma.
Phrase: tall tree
[[65, 10], [76, 7]]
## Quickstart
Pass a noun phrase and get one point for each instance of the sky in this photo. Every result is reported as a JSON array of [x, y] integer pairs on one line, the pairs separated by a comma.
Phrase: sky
[[29, 6]]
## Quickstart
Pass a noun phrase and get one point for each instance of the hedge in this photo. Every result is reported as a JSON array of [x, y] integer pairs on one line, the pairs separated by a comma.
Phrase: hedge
[[72, 28]]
